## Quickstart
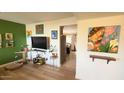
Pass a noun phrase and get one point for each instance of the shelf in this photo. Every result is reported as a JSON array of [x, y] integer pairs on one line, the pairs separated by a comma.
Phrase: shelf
[[103, 57]]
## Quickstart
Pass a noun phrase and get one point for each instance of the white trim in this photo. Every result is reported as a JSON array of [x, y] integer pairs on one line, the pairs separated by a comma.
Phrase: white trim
[[3, 65]]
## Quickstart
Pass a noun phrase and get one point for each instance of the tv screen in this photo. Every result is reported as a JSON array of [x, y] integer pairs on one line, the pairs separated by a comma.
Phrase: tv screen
[[39, 42]]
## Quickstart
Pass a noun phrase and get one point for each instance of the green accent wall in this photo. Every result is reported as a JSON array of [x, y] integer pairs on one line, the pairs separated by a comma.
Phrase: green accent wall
[[19, 34]]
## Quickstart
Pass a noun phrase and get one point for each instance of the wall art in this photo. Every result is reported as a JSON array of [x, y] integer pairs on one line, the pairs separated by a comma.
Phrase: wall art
[[9, 39], [104, 39]]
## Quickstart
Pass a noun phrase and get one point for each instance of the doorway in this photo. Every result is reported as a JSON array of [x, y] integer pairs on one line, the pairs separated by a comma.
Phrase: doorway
[[68, 38]]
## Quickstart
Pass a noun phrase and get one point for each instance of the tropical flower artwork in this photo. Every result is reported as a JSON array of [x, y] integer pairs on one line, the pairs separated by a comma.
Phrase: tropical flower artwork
[[104, 39]]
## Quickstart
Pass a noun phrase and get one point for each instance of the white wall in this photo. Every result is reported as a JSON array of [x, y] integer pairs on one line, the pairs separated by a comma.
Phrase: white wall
[[52, 25], [68, 39], [70, 32], [99, 69], [71, 29]]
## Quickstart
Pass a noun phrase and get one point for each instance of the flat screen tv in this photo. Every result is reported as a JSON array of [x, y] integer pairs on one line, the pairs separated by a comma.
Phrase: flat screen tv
[[40, 42]]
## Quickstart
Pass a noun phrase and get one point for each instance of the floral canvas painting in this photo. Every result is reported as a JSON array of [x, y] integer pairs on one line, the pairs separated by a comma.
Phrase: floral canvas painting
[[104, 39]]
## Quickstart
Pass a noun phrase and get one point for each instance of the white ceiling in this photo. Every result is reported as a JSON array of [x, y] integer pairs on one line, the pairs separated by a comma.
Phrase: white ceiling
[[34, 17], [87, 15]]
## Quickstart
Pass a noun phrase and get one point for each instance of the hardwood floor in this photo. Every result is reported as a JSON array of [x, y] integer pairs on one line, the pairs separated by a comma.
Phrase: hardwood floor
[[70, 62], [41, 72]]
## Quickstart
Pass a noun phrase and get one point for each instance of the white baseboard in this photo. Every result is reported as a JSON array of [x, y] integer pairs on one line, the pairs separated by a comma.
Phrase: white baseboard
[[3, 65]]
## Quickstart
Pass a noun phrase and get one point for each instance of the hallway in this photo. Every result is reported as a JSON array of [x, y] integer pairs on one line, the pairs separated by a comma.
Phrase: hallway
[[70, 63]]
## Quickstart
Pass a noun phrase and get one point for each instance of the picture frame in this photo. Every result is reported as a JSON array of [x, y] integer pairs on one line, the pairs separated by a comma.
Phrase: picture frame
[[54, 34], [104, 39], [39, 29], [0, 41], [9, 40]]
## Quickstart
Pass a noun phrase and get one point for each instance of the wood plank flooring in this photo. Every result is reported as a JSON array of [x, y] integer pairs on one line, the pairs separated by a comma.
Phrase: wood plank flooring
[[40, 72]]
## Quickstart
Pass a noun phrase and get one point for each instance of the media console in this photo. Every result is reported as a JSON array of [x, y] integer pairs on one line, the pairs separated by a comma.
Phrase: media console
[[103, 57], [40, 50]]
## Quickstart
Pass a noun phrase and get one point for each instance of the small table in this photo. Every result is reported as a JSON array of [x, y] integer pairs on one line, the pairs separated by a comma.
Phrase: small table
[[24, 53], [53, 57], [17, 65], [103, 57]]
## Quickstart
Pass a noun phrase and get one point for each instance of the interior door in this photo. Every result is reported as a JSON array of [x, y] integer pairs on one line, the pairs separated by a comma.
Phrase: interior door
[[62, 46]]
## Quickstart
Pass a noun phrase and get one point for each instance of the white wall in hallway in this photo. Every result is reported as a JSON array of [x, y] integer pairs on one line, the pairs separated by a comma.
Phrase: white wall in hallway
[[70, 29], [70, 32], [99, 69]]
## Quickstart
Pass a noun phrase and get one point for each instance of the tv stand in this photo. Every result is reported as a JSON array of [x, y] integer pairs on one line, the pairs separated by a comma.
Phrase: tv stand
[[50, 57], [41, 50], [35, 52]]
